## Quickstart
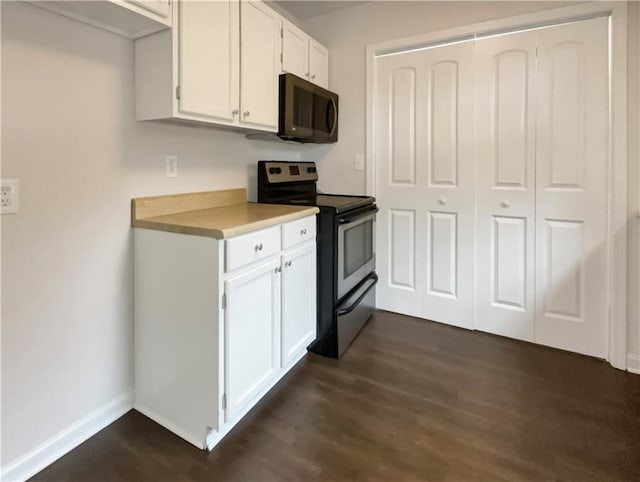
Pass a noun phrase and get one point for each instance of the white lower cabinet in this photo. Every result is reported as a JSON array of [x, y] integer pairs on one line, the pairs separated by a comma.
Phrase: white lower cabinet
[[213, 337], [298, 301], [252, 329]]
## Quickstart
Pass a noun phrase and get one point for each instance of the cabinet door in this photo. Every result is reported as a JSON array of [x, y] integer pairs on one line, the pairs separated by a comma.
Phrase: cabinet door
[[159, 7], [259, 65], [252, 335], [298, 301], [318, 64], [295, 50], [208, 59]]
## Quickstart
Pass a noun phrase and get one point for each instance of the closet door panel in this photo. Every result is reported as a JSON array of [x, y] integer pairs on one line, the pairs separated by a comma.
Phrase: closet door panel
[[505, 195], [425, 183], [401, 172], [572, 187]]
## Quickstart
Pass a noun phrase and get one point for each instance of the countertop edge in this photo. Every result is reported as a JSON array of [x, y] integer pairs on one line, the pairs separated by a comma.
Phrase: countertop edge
[[226, 232]]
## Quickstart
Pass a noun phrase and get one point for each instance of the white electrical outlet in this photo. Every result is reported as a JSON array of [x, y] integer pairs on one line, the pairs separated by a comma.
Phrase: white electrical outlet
[[358, 162], [171, 166], [9, 196]]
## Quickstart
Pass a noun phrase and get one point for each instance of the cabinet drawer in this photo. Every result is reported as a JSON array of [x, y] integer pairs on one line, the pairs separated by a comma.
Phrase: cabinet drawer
[[251, 247], [298, 231]]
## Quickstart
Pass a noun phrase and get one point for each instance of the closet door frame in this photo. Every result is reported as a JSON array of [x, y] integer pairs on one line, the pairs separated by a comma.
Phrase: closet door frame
[[617, 209]]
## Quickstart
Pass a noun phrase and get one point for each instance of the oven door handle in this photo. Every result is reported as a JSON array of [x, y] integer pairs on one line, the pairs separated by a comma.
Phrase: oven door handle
[[345, 311], [349, 219]]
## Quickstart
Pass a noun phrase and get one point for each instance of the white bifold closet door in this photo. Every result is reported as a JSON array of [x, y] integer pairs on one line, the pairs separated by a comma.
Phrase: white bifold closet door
[[498, 148], [505, 159], [425, 185], [542, 163], [572, 164]]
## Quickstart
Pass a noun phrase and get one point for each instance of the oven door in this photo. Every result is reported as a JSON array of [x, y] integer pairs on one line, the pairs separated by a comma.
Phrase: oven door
[[356, 248]]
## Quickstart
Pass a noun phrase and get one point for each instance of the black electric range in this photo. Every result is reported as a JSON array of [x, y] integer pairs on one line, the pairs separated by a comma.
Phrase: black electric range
[[346, 275], [337, 202]]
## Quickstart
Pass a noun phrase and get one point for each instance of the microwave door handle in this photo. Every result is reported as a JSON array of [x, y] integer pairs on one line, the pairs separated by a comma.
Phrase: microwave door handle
[[335, 115]]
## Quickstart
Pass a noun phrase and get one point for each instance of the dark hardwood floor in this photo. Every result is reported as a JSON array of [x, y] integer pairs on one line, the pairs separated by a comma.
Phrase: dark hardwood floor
[[410, 401]]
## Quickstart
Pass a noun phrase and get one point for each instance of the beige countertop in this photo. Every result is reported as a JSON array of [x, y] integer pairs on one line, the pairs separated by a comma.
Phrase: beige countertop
[[216, 214]]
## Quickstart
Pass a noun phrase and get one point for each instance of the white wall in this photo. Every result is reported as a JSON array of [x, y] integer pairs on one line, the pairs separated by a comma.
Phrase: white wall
[[70, 138], [347, 32], [634, 187]]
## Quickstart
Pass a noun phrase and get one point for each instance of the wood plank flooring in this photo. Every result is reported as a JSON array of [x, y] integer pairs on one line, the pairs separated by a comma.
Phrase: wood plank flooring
[[410, 401]]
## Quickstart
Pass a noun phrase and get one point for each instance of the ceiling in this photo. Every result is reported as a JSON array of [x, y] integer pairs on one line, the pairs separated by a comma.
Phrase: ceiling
[[303, 10]]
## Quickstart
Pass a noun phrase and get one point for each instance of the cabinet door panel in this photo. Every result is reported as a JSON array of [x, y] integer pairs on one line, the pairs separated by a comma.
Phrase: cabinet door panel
[[318, 64], [259, 64], [252, 335], [295, 50], [298, 301], [208, 58]]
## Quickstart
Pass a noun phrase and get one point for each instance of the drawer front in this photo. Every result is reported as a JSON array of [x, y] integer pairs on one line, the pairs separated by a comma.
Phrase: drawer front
[[298, 231], [251, 247]]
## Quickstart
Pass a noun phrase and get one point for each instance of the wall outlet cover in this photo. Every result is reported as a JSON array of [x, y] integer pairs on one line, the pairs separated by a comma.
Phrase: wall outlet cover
[[358, 162], [9, 196], [171, 166]]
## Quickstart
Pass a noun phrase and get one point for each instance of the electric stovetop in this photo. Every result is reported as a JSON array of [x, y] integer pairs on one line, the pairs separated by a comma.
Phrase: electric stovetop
[[337, 202]]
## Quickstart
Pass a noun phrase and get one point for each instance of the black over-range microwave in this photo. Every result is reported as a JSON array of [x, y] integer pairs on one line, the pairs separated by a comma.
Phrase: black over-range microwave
[[308, 113]]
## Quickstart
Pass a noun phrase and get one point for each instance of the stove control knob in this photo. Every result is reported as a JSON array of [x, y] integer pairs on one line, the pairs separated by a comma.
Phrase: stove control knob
[[278, 170], [311, 169], [273, 170]]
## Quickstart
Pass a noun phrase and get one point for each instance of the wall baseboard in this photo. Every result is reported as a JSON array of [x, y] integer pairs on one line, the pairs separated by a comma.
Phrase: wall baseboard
[[66, 440], [633, 363]]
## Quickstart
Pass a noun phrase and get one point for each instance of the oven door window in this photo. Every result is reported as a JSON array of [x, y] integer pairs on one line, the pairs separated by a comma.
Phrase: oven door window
[[358, 247]]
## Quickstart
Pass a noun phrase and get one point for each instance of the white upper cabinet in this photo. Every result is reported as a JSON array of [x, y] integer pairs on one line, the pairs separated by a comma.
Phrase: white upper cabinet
[[129, 18], [259, 64], [318, 64], [162, 8], [199, 72], [295, 50], [220, 63], [208, 59], [303, 56]]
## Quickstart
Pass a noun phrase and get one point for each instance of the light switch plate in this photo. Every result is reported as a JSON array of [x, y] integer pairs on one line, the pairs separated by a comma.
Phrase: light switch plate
[[9, 196], [358, 162]]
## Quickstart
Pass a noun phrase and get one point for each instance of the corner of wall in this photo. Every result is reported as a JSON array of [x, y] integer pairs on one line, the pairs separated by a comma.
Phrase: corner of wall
[[66, 440]]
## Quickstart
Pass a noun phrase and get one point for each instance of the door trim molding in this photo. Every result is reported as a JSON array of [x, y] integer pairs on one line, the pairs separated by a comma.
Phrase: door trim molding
[[633, 364], [617, 213]]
